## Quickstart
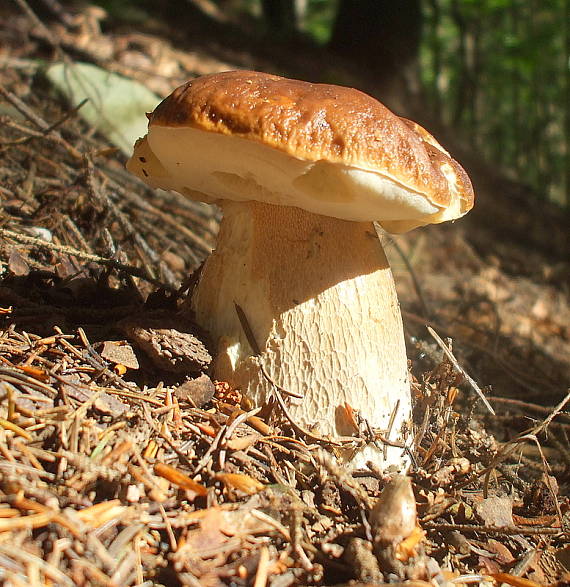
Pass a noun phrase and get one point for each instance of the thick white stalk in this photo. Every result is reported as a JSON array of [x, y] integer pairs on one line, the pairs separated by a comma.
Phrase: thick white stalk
[[320, 299]]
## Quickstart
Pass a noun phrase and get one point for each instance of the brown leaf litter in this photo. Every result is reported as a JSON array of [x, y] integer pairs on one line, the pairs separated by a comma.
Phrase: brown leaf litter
[[121, 461]]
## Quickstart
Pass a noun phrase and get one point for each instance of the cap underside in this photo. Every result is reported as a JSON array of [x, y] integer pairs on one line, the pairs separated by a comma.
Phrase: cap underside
[[213, 167]]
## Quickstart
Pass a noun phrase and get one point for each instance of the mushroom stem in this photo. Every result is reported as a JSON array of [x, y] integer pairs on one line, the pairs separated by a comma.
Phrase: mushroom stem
[[320, 300]]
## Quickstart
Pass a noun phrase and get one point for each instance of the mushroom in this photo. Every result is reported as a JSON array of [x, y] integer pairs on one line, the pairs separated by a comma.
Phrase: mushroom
[[298, 294]]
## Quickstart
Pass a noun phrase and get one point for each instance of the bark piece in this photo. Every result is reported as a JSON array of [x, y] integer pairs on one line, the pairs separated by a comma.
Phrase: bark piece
[[198, 391], [169, 342], [119, 353], [496, 511]]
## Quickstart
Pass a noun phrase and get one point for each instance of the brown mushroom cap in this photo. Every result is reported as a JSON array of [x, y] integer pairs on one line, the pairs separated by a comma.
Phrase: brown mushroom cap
[[321, 122]]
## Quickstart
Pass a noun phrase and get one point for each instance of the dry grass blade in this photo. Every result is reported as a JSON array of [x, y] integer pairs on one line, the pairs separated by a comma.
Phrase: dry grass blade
[[460, 369]]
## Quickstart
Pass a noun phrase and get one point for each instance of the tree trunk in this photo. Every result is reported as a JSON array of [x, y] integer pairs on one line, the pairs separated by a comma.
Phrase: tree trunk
[[382, 35], [280, 16], [463, 81], [567, 92], [436, 57]]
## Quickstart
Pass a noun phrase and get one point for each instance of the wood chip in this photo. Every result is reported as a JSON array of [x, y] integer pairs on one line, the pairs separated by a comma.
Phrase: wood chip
[[120, 353]]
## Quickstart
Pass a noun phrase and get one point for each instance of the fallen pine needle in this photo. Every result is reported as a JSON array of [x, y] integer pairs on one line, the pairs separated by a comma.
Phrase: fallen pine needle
[[262, 568], [48, 569], [27, 522], [513, 580], [179, 479], [241, 482], [100, 513], [7, 425]]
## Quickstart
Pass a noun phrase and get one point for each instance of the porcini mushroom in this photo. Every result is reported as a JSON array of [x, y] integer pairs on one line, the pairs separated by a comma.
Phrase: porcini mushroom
[[301, 171]]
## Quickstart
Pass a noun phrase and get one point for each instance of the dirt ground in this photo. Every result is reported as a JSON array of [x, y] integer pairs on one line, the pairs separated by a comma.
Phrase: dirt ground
[[123, 463]]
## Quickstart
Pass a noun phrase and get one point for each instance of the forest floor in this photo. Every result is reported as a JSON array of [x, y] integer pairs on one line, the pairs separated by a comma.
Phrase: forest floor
[[122, 463]]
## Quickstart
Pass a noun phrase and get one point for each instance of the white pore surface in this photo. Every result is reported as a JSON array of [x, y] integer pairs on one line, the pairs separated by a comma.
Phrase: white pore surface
[[199, 163]]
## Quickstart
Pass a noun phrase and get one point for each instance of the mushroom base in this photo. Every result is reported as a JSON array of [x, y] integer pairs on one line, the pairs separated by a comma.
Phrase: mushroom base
[[319, 298]]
